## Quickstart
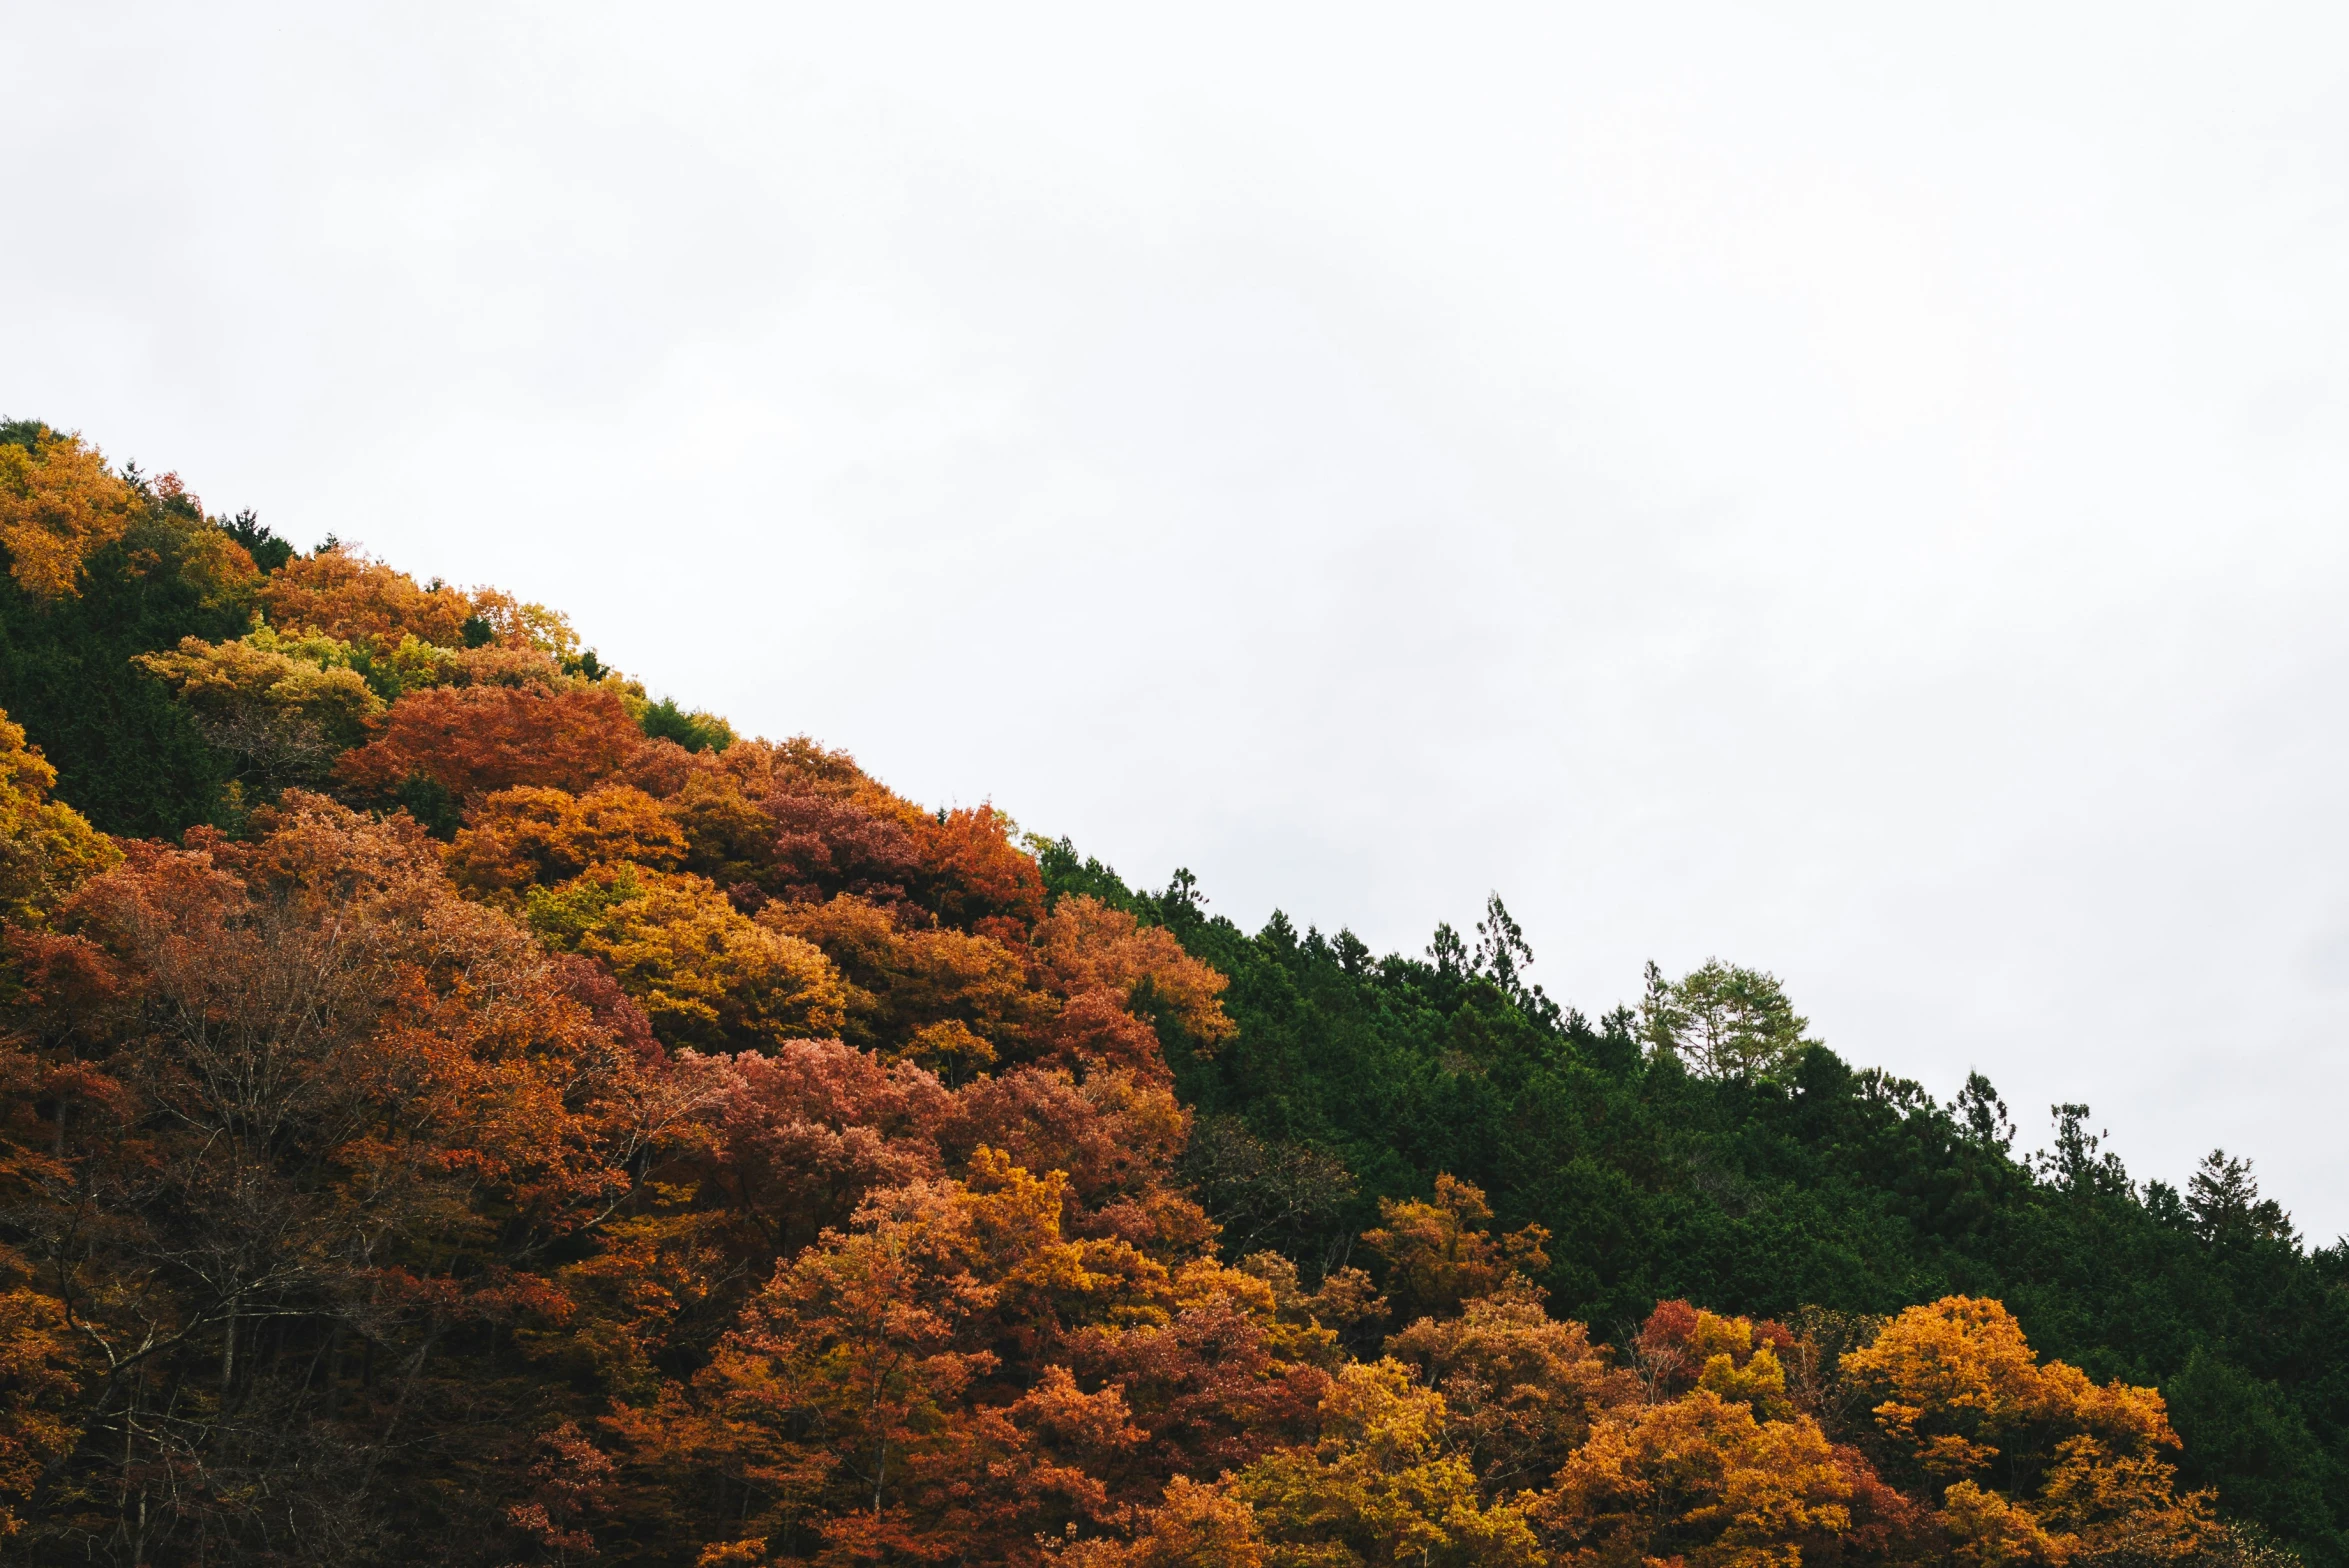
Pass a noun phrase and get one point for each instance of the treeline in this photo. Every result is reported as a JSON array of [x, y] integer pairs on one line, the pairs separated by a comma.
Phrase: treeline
[[1698, 1145], [455, 1108]]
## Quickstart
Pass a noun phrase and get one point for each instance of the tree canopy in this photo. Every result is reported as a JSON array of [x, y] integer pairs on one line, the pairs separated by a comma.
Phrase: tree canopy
[[456, 1108]]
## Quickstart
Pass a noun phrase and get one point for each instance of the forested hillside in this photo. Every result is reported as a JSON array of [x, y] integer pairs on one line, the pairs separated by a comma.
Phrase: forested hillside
[[459, 1109]]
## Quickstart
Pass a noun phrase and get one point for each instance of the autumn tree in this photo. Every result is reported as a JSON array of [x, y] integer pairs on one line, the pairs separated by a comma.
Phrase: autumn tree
[[862, 1406], [1682, 1347], [284, 707], [319, 1106], [1383, 1484], [1699, 1479], [2031, 1458], [532, 835], [47, 848], [344, 593], [1439, 1254], [707, 975], [474, 740], [954, 1002], [1521, 1388], [59, 502]]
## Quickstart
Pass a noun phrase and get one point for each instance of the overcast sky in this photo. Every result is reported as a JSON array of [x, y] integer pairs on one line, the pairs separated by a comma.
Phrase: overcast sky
[[1862, 494]]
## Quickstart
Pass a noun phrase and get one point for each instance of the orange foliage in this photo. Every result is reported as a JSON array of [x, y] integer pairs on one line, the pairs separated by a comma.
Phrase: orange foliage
[[804, 1135], [474, 740], [2077, 1468], [1522, 1388], [953, 1002], [972, 873], [1700, 1480], [58, 503], [1440, 1254], [292, 1085], [1112, 973], [858, 1399], [528, 835], [347, 594], [704, 973], [1960, 1389]]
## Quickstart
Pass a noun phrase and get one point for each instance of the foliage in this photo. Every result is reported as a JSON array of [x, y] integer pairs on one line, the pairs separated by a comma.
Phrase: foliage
[[489, 1117], [59, 504], [1808, 1184], [103, 568], [705, 974], [47, 849]]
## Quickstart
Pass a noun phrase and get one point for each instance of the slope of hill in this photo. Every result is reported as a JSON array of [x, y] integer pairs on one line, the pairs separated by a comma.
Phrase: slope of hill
[[469, 1112]]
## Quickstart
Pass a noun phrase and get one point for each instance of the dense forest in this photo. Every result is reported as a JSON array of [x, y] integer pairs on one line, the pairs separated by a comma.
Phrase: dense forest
[[455, 1108]]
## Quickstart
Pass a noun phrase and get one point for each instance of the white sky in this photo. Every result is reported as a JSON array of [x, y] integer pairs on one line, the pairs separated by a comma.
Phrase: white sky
[[1862, 494]]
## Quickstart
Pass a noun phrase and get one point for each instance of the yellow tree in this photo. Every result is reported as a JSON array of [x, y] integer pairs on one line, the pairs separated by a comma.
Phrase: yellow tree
[[2036, 1461], [1385, 1484], [58, 503], [47, 848], [284, 707], [1698, 1479], [705, 973]]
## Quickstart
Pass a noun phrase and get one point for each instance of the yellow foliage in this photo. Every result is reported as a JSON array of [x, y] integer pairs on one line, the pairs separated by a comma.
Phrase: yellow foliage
[[519, 624], [47, 849], [1959, 1386], [1761, 1382], [58, 503], [269, 690], [1442, 1253], [705, 973], [1383, 1485], [1699, 1479], [2123, 1504], [2080, 1466], [36, 1384], [1986, 1530]]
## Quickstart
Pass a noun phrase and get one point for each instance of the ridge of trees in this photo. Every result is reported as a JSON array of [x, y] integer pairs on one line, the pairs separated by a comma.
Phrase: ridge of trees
[[456, 1108]]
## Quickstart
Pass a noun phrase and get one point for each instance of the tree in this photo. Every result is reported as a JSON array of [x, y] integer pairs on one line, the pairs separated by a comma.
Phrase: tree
[[1724, 1022], [475, 740], [283, 708], [893, 1392], [47, 849], [1521, 1388], [59, 504], [1697, 1479], [2227, 1208], [1112, 974], [305, 1124], [2034, 1456], [1382, 1485], [517, 838], [707, 975], [1682, 1347], [1440, 1254], [956, 1003], [342, 592]]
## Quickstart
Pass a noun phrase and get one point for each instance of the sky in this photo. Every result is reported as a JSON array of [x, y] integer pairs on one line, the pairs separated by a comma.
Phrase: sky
[[1855, 491]]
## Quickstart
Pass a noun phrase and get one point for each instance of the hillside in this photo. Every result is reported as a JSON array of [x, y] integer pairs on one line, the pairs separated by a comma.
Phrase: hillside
[[460, 1109]]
